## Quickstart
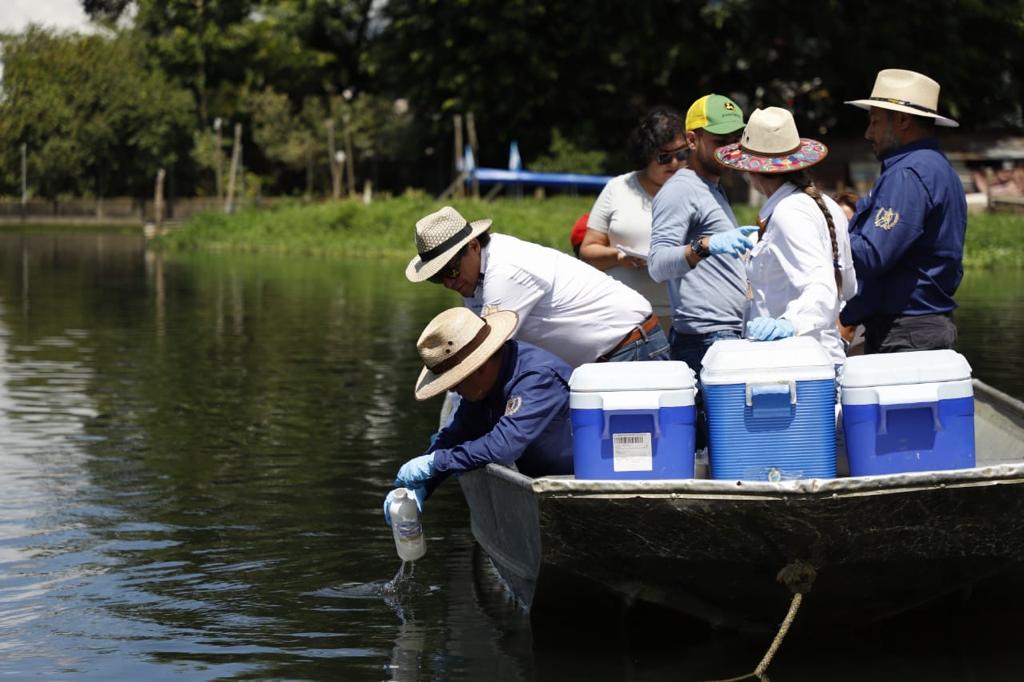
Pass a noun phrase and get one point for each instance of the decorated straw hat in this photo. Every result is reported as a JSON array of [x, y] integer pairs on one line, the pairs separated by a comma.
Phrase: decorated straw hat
[[456, 343], [771, 144], [439, 236], [906, 91]]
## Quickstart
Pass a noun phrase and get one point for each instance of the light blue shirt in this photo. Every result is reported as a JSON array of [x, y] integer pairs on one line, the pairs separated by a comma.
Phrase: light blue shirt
[[709, 297]]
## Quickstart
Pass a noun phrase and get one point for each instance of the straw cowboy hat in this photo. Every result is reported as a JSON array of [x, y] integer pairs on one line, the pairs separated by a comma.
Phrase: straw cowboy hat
[[771, 144], [439, 236], [906, 91], [456, 343]]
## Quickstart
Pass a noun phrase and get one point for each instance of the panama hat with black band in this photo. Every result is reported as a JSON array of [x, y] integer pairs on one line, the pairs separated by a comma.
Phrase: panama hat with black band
[[906, 91], [439, 236]]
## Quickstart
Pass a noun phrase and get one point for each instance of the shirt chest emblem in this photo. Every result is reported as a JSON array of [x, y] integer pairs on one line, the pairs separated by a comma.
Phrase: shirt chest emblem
[[513, 405], [489, 310], [886, 218]]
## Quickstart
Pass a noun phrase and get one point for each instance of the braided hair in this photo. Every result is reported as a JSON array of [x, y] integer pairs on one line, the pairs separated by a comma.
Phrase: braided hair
[[802, 179]]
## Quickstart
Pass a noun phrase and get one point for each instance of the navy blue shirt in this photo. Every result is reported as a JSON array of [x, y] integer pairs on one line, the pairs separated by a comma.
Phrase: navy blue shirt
[[907, 236], [524, 419]]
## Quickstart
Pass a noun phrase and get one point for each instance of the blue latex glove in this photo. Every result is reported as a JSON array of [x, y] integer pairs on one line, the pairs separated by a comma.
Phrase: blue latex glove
[[416, 471], [421, 496], [769, 329], [733, 242]]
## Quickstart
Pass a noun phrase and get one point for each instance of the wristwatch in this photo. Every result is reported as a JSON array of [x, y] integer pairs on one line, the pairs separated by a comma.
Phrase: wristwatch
[[697, 247]]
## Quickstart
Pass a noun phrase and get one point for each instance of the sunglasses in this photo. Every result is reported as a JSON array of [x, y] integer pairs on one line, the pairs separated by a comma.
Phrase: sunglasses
[[450, 270], [681, 154]]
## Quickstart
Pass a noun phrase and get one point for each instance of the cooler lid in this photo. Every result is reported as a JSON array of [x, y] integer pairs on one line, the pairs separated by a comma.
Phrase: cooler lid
[[736, 361], [916, 367], [668, 375]]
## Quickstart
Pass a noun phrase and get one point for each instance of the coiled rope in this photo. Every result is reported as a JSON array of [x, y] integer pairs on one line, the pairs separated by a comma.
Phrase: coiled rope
[[798, 576]]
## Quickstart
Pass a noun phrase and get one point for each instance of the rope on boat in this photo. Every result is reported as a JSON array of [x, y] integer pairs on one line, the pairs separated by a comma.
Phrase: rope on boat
[[798, 577]]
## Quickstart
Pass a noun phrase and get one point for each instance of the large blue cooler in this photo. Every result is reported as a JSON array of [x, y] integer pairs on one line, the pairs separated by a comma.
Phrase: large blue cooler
[[908, 412], [633, 420], [771, 409]]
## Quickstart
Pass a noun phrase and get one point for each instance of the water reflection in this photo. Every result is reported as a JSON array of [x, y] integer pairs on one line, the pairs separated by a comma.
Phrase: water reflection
[[193, 453]]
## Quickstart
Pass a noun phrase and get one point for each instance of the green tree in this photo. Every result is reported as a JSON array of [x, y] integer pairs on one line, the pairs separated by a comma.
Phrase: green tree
[[565, 157], [94, 116]]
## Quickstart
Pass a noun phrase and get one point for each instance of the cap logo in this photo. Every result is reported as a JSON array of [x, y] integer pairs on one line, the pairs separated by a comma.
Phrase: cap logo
[[729, 106]]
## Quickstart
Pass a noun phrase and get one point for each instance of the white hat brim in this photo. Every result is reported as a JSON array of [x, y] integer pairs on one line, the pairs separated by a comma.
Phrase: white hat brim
[[420, 270], [868, 103], [503, 325]]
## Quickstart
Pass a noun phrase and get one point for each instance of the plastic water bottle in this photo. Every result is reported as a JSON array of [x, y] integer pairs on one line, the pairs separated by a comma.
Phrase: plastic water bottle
[[406, 526]]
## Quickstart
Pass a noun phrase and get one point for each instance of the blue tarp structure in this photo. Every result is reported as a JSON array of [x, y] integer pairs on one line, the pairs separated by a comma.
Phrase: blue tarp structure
[[493, 176], [516, 176]]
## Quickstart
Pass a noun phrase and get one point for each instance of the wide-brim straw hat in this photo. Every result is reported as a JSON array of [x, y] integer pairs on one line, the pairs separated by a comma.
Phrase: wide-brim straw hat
[[456, 343], [771, 144], [906, 91], [439, 236]]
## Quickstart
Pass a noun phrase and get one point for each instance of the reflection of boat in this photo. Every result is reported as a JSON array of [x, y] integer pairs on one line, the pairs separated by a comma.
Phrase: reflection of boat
[[712, 549]]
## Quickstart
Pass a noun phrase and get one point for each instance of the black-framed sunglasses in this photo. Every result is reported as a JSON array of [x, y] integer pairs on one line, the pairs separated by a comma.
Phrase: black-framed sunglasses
[[681, 154], [450, 269]]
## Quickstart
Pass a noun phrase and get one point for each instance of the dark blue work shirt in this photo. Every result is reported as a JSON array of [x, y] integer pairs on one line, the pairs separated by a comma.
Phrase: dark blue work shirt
[[907, 236], [524, 419]]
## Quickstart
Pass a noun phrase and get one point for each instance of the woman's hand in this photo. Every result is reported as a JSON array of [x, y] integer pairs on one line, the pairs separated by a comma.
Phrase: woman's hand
[[631, 262]]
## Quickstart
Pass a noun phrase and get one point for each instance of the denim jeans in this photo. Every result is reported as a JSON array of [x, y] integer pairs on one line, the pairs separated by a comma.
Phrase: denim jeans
[[652, 346], [691, 348]]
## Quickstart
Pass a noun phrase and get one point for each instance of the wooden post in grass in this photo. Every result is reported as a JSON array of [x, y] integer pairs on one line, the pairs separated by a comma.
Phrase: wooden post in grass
[[349, 158], [158, 200], [471, 133], [236, 159], [24, 181], [218, 157], [459, 189], [333, 158]]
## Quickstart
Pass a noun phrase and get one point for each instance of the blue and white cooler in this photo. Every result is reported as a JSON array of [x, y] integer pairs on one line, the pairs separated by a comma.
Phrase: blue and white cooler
[[771, 409], [633, 420], [908, 412]]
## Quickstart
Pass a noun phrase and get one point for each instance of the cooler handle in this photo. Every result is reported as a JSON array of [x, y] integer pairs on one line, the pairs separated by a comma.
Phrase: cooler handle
[[883, 412], [656, 414], [773, 388]]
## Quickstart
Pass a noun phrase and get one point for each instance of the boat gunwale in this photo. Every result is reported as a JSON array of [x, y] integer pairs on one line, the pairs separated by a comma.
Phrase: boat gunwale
[[812, 488]]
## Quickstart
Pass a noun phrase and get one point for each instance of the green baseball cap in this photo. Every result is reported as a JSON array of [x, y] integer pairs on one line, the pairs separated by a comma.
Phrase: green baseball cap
[[716, 114]]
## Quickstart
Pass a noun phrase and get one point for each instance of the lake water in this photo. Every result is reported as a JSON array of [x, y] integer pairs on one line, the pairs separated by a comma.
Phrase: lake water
[[194, 451]]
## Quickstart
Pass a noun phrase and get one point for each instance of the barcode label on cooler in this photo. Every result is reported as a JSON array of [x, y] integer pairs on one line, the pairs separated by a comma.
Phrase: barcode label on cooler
[[632, 452]]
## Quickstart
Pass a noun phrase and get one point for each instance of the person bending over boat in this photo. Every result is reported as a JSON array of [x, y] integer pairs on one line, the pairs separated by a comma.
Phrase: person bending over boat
[[515, 402], [564, 305], [801, 268], [907, 235]]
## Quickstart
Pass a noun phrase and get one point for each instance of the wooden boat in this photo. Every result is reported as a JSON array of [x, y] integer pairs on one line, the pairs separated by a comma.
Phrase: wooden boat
[[876, 546]]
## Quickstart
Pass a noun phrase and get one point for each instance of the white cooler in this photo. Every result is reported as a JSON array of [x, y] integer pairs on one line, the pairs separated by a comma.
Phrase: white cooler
[[771, 409], [633, 420], [908, 412]]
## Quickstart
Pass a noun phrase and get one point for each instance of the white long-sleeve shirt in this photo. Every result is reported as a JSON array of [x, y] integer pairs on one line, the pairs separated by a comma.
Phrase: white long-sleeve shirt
[[790, 269], [565, 306]]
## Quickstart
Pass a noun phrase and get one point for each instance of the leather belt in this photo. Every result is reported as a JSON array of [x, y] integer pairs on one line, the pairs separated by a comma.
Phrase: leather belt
[[639, 332]]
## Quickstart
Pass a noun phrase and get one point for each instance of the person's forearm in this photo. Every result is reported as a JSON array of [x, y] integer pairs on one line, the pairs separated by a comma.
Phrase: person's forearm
[[600, 256]]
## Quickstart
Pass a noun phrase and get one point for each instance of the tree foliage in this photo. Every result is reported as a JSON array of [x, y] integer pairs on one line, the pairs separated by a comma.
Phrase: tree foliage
[[398, 70], [93, 115]]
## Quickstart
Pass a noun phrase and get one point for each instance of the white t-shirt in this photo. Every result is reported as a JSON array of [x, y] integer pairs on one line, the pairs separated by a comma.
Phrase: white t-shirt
[[790, 269], [565, 306], [623, 212]]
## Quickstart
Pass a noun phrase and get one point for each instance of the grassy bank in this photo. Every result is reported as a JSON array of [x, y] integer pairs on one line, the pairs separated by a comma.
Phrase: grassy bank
[[386, 227]]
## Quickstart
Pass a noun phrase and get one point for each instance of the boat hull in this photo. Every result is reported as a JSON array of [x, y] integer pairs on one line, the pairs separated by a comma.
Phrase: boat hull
[[713, 550]]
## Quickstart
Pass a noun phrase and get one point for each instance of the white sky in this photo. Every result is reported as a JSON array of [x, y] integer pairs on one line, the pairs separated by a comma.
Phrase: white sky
[[15, 15]]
